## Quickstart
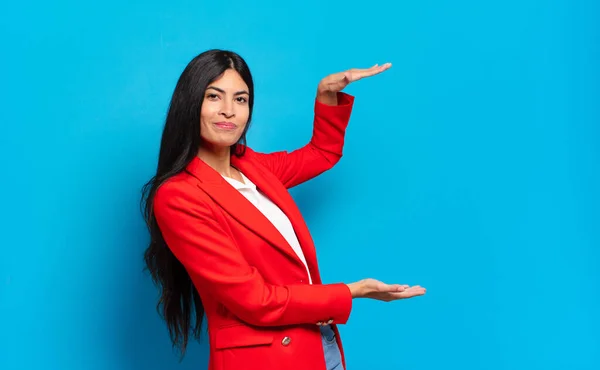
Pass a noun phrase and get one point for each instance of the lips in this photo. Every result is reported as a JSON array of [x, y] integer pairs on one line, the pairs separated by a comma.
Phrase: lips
[[225, 125]]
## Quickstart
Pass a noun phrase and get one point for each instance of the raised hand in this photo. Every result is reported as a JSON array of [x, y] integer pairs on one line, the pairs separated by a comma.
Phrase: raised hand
[[375, 289], [334, 83]]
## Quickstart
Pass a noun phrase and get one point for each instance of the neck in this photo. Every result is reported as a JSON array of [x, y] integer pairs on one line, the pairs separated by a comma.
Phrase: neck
[[217, 158]]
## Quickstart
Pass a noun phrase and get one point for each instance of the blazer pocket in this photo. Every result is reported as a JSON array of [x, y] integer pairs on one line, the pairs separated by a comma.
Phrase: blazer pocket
[[241, 336]]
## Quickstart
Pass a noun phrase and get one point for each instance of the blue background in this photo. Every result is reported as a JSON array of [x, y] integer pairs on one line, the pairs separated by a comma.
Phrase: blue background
[[471, 168]]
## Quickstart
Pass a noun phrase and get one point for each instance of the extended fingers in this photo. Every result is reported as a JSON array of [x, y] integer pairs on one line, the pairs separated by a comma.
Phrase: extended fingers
[[409, 292], [389, 288], [356, 74], [415, 291]]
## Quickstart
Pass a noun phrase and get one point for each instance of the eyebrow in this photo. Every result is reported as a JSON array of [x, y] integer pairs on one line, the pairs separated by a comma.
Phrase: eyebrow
[[241, 92]]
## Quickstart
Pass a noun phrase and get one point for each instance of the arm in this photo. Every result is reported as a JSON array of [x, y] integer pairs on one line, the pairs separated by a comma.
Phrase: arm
[[324, 149], [214, 262]]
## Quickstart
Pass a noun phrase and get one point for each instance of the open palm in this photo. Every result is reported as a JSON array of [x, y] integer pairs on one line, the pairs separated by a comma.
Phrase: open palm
[[338, 81], [378, 290]]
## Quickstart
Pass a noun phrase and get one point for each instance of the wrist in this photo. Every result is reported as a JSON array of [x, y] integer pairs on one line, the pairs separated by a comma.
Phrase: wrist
[[327, 97], [356, 289]]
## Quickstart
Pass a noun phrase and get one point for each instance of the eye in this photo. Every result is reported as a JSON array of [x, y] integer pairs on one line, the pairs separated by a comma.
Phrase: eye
[[242, 99], [211, 96]]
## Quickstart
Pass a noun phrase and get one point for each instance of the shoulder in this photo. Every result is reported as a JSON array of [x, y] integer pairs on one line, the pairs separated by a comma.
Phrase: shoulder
[[265, 159], [181, 193], [246, 151]]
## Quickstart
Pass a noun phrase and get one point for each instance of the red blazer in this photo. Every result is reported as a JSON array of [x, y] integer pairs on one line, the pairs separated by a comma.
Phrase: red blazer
[[261, 312]]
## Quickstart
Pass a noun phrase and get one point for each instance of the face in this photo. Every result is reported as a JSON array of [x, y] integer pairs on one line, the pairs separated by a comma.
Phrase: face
[[225, 111]]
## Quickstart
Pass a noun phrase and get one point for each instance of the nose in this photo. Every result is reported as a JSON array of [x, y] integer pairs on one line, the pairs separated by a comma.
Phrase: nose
[[227, 109]]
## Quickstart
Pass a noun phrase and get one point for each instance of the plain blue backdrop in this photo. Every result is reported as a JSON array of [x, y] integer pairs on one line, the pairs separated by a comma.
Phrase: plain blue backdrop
[[471, 168]]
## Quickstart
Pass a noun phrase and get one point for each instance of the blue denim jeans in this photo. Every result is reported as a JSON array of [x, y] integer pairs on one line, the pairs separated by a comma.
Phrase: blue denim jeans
[[333, 357]]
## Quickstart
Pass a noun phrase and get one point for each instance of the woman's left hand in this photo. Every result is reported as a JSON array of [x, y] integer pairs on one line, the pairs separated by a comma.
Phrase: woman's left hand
[[334, 83]]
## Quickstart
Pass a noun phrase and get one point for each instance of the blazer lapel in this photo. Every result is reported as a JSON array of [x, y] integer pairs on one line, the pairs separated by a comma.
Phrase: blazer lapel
[[270, 185], [238, 206]]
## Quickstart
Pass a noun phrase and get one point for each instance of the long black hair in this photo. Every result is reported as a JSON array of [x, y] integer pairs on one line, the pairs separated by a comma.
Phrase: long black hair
[[179, 303]]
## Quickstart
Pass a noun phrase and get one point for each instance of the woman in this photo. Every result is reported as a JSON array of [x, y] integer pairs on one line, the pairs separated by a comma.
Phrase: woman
[[227, 239]]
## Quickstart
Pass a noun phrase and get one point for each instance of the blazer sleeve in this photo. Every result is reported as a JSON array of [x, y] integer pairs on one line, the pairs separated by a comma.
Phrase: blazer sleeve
[[322, 152], [218, 268]]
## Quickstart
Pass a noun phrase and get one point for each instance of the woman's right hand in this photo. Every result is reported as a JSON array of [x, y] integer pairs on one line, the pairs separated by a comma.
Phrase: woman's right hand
[[375, 289]]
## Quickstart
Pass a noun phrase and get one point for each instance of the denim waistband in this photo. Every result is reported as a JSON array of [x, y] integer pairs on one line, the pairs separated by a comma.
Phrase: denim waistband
[[327, 332]]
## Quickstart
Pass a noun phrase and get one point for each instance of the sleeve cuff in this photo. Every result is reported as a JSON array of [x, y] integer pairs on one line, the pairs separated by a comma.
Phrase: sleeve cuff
[[341, 111]]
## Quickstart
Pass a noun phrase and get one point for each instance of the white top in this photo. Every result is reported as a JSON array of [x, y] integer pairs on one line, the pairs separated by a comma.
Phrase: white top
[[272, 212]]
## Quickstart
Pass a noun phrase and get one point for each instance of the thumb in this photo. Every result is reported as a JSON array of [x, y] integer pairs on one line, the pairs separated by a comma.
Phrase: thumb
[[398, 287], [382, 287]]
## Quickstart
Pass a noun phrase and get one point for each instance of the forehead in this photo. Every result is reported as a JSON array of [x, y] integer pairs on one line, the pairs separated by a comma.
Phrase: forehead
[[230, 80]]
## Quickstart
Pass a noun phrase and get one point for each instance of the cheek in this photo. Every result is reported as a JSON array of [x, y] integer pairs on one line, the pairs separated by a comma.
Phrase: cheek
[[243, 113], [207, 113]]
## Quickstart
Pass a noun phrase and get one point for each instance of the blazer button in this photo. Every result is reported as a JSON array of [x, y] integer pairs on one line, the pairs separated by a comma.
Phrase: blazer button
[[286, 341]]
